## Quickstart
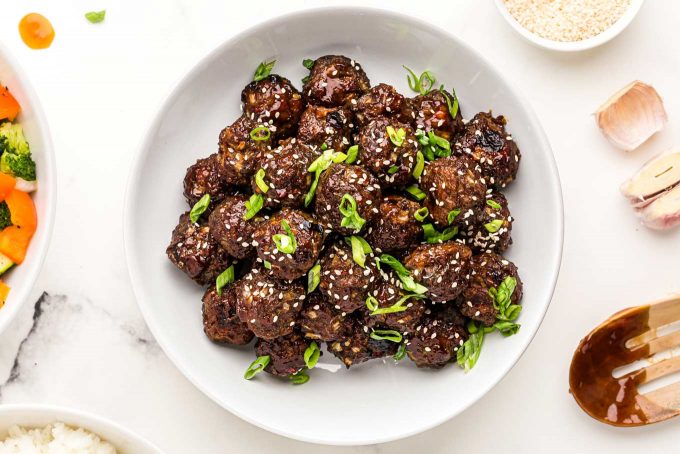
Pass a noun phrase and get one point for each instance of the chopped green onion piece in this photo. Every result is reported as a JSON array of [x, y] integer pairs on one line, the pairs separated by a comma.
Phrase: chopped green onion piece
[[494, 226], [352, 154], [225, 278], [432, 236], [397, 137], [305, 79], [256, 367], [493, 204], [502, 297], [311, 355], [422, 84], [318, 166], [360, 248], [396, 307], [404, 275], [421, 214], [259, 181], [413, 80], [324, 146], [401, 352], [507, 328], [96, 17], [392, 170], [468, 353], [387, 334], [433, 146], [199, 208], [299, 378], [263, 70], [308, 63], [286, 244], [453, 214], [415, 192], [453, 105], [253, 206], [268, 264], [420, 165], [260, 133], [348, 208], [313, 278], [372, 303]]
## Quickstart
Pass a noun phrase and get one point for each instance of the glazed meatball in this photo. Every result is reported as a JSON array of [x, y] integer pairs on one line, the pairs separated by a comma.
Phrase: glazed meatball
[[220, 322], [319, 320], [491, 231], [431, 113], [269, 306], [285, 174], [204, 178], [275, 102], [453, 184], [239, 151], [194, 251], [286, 354], [437, 339], [387, 293], [442, 268], [334, 81], [488, 270], [229, 228], [393, 164], [488, 143], [382, 101], [344, 283], [396, 227], [358, 346], [337, 182], [307, 237], [330, 126]]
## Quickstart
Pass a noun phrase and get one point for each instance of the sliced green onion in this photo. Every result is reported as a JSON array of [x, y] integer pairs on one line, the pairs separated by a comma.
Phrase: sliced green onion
[[311, 355], [392, 170], [387, 334], [420, 165], [422, 84], [318, 166], [404, 275], [401, 352], [225, 278], [348, 208], [433, 146], [305, 79], [453, 105], [308, 63], [493, 204], [494, 226], [360, 248], [415, 192], [263, 70], [299, 378], [324, 146], [453, 214], [286, 244], [372, 303], [259, 181], [507, 328], [352, 154], [432, 236], [256, 367], [260, 133], [253, 206], [199, 208], [421, 214], [468, 353], [397, 137], [396, 307], [396, 265], [313, 278], [413, 80], [268, 264], [96, 17]]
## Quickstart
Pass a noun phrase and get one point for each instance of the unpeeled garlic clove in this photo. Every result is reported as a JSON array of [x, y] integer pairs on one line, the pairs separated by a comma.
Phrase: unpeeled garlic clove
[[631, 116], [653, 179], [663, 212]]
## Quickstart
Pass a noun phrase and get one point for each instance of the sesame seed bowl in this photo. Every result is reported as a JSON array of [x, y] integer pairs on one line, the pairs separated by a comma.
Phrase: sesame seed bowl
[[379, 400], [576, 32]]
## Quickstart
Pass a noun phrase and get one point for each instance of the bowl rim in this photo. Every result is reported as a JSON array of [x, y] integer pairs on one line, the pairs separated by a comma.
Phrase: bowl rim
[[61, 412], [136, 174], [573, 46], [47, 184]]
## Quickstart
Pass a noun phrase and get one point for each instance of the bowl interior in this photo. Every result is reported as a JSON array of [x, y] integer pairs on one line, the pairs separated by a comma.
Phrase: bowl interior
[[336, 406]]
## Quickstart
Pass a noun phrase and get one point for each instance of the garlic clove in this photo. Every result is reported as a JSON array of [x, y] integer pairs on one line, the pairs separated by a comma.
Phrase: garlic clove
[[655, 177], [664, 212], [631, 116]]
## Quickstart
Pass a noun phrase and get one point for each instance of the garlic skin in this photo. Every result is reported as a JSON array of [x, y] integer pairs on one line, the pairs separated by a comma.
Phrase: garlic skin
[[654, 178], [664, 212], [631, 116]]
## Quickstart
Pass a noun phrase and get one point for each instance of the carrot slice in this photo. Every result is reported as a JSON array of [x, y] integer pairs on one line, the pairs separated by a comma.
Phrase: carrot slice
[[14, 243], [9, 107], [7, 183], [4, 291], [22, 209]]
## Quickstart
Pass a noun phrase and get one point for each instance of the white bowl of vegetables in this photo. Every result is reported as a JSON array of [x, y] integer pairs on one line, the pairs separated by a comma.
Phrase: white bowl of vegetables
[[27, 187]]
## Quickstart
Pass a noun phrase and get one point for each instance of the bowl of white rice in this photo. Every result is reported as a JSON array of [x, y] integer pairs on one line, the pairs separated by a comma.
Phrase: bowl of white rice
[[38, 429], [569, 25]]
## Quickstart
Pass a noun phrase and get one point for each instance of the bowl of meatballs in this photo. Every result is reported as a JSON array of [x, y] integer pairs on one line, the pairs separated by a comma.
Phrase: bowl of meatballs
[[370, 219]]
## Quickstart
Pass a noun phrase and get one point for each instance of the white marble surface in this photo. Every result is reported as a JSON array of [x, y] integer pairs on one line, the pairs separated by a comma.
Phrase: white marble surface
[[85, 344]]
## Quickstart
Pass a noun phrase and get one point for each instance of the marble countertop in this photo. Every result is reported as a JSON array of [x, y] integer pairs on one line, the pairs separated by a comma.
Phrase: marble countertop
[[84, 343]]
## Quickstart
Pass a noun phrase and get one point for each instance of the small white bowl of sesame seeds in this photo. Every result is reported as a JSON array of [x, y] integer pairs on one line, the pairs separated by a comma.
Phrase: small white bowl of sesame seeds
[[569, 25]]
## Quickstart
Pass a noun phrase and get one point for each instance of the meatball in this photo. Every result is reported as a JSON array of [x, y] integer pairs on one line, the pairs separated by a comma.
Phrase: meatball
[[307, 238], [230, 230], [269, 306], [286, 354], [275, 102], [396, 227], [382, 101], [285, 174], [343, 281], [194, 251], [330, 126], [393, 164], [431, 113], [491, 231], [442, 268], [342, 180], [453, 184], [334, 81], [239, 151], [488, 143], [318, 319], [358, 346], [488, 270], [387, 293], [203, 178], [220, 322], [437, 339]]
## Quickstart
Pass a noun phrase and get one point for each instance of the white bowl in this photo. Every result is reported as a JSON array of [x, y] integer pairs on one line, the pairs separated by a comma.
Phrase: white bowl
[[573, 46], [22, 277], [32, 416], [373, 402]]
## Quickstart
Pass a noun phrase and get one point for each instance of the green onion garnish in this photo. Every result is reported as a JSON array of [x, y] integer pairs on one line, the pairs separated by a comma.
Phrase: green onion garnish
[[422, 84], [397, 137], [96, 17], [493, 204], [494, 226], [311, 355], [320, 165], [396, 307], [420, 165], [432, 236], [392, 170], [299, 378], [286, 244], [313, 278], [260, 133], [256, 367], [387, 334], [199, 208], [415, 192], [433, 146], [263, 70], [348, 208], [352, 154], [468, 353], [360, 248], [259, 181], [453, 214], [268, 264], [502, 296], [225, 278], [253, 206], [372, 303], [401, 352], [308, 63], [404, 274], [453, 105], [421, 214]]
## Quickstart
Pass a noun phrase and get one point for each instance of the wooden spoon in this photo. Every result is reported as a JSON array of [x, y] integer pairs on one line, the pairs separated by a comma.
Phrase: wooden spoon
[[626, 337]]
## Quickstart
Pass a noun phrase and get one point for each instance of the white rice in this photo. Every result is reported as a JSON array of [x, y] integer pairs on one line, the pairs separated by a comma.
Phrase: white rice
[[53, 439]]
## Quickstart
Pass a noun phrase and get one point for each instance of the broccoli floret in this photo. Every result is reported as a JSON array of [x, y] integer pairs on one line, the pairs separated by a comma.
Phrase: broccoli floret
[[5, 216], [18, 165], [14, 141]]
